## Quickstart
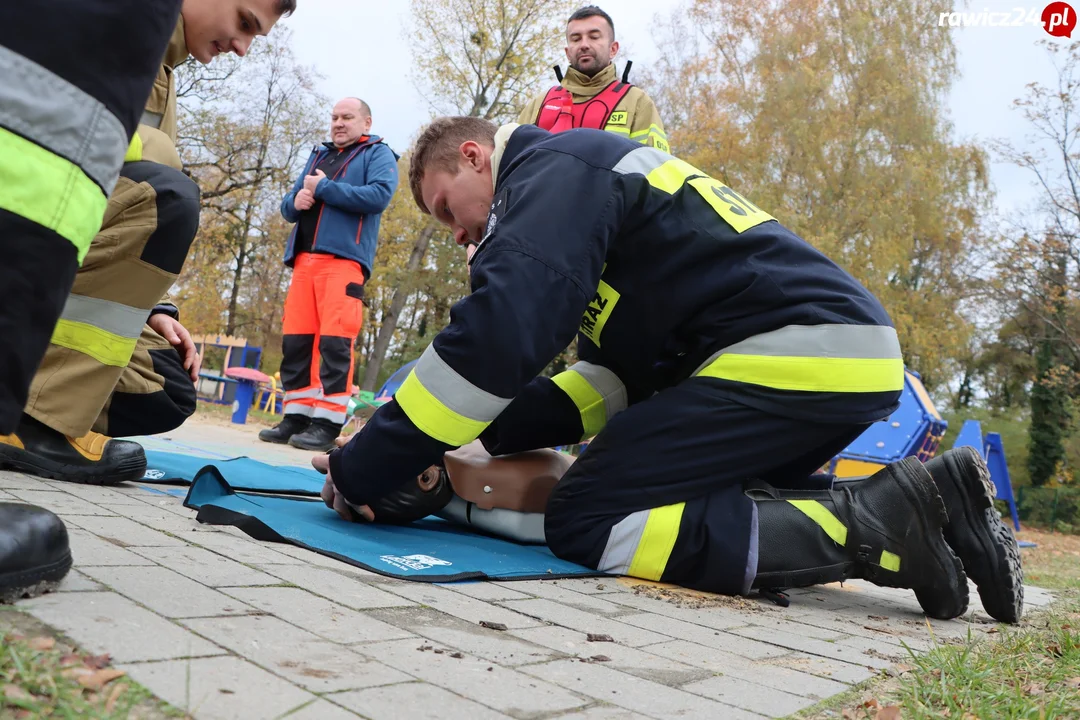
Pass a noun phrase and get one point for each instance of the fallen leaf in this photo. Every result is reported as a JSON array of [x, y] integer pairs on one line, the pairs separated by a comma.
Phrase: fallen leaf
[[117, 691], [848, 714], [936, 672], [490, 669], [422, 648], [871, 703], [970, 716], [1034, 688], [992, 630], [100, 678], [439, 651], [16, 693], [600, 658], [886, 631], [1073, 682], [41, 643], [69, 660], [1054, 649], [226, 691], [492, 625], [599, 637], [456, 655], [97, 662], [901, 669], [889, 712]]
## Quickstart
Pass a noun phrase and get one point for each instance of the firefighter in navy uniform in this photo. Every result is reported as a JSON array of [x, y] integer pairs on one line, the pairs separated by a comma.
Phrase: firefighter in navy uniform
[[592, 95], [723, 361]]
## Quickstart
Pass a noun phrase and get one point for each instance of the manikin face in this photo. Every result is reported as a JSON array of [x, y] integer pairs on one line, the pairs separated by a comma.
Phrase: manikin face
[[348, 122], [590, 45], [462, 201], [213, 27]]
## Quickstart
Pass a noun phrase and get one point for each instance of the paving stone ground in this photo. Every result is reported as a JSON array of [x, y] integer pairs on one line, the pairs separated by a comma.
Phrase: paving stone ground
[[226, 627]]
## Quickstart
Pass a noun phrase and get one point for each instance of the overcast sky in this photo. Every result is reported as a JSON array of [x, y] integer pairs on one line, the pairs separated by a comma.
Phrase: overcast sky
[[360, 48]]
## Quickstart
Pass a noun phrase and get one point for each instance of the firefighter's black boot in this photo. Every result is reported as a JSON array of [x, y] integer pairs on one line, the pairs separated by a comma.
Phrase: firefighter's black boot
[[984, 543], [319, 436], [886, 529], [34, 551], [291, 424], [93, 459]]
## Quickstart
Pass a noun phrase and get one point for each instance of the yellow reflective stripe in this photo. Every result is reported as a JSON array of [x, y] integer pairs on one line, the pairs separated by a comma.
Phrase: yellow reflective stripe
[[670, 176], [823, 517], [48, 190], [105, 347], [598, 311], [618, 130], [810, 374], [588, 401], [657, 542], [889, 561], [653, 129], [433, 417], [135, 149]]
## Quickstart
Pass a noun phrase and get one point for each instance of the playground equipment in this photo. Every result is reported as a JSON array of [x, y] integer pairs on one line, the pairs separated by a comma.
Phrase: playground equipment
[[916, 428], [216, 386]]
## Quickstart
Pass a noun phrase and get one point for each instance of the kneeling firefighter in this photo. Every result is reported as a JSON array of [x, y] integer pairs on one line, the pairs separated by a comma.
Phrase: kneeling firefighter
[[723, 361]]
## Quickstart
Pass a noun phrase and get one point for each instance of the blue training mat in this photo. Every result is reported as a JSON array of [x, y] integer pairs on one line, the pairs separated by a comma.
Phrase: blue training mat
[[429, 550], [240, 473]]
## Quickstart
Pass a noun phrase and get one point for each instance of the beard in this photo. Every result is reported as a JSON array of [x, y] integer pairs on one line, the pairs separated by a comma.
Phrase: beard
[[594, 67]]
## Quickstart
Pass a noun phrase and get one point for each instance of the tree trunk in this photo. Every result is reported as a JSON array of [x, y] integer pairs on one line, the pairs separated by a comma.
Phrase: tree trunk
[[397, 303], [238, 277]]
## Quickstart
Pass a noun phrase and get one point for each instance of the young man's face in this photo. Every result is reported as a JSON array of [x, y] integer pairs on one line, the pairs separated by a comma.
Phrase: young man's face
[[462, 201], [590, 44], [348, 122], [212, 27]]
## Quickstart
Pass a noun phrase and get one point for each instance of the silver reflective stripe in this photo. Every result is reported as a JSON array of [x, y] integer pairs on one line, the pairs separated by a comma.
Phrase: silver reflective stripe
[[152, 119], [622, 543], [337, 416], [48, 110], [314, 392], [606, 383], [643, 160], [112, 317], [295, 408], [862, 342], [454, 391], [337, 401]]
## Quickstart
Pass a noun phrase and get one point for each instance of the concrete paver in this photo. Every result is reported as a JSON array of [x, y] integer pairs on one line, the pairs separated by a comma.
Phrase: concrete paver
[[225, 626]]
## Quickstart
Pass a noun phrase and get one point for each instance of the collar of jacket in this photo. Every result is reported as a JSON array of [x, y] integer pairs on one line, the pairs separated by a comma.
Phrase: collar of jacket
[[362, 140], [502, 136], [580, 84], [177, 52]]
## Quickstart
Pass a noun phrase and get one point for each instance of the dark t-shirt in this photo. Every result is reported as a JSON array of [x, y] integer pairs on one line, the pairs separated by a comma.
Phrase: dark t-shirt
[[309, 219]]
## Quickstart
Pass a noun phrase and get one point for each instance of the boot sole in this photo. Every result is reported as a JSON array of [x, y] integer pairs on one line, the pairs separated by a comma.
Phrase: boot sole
[[129, 470], [34, 582], [997, 570], [275, 441], [917, 484], [312, 448]]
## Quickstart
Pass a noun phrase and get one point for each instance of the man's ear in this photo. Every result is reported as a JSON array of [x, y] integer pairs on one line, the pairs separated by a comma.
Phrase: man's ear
[[567, 51], [473, 154], [614, 49]]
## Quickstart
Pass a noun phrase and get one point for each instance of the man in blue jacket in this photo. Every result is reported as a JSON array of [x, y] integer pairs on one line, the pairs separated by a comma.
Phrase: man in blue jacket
[[336, 204]]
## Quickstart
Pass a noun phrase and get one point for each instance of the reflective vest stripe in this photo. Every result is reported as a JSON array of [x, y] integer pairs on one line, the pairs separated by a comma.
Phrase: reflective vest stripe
[[597, 392], [640, 544], [814, 358], [824, 518], [106, 331], [311, 392], [443, 404], [48, 190], [47, 110]]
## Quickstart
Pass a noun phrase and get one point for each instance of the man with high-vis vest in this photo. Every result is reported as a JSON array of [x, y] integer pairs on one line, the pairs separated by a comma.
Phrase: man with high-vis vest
[[119, 362], [723, 361], [68, 109], [591, 95]]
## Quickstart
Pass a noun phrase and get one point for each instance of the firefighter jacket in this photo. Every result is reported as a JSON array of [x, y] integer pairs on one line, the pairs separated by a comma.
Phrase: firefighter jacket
[[663, 274], [634, 116], [155, 138]]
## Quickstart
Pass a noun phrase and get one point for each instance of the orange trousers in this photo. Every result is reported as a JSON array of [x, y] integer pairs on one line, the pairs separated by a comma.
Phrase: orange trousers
[[324, 312]]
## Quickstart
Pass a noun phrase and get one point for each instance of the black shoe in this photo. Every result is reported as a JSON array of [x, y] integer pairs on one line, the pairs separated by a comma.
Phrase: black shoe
[[886, 529], [319, 436], [984, 543], [290, 425], [34, 551], [93, 459]]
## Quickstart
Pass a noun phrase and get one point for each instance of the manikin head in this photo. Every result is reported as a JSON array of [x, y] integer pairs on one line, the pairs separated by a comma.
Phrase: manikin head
[[213, 27], [590, 40], [349, 121], [450, 174]]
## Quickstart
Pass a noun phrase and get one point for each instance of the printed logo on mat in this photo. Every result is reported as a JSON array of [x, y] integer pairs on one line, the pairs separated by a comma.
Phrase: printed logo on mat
[[152, 474], [413, 562]]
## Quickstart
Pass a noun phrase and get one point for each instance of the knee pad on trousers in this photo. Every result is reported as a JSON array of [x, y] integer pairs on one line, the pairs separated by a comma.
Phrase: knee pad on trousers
[[176, 197]]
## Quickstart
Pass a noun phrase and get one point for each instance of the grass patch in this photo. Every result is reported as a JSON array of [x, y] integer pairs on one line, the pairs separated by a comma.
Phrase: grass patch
[[44, 675], [1031, 670]]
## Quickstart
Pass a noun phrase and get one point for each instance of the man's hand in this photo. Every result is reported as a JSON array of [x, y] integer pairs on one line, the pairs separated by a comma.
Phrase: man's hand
[[312, 181], [304, 200], [333, 497], [178, 335]]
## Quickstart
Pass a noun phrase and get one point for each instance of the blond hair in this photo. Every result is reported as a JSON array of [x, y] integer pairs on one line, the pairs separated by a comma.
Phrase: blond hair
[[438, 148]]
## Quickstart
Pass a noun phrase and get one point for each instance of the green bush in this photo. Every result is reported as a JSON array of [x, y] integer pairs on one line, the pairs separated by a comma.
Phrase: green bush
[[1053, 508]]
